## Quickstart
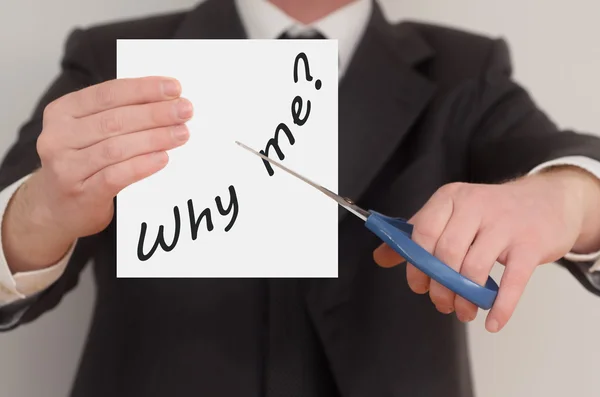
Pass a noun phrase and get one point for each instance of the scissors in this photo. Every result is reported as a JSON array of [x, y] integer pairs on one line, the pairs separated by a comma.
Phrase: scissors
[[396, 232]]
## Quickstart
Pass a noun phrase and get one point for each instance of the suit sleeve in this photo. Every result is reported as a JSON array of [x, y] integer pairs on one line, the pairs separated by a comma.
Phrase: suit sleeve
[[77, 72], [510, 136]]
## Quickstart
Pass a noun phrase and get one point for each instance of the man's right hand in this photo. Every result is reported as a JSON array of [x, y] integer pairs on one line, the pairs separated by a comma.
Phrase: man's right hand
[[94, 143]]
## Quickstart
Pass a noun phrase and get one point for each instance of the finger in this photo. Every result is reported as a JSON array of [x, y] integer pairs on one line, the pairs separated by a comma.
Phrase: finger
[[111, 180], [477, 265], [117, 93], [385, 256], [128, 119], [124, 147], [428, 224], [519, 268], [451, 249], [417, 280]]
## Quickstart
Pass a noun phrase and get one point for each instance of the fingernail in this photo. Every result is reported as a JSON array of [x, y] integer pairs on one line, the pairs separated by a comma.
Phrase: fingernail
[[180, 132], [445, 310], [463, 318], [493, 325], [184, 109], [160, 157], [171, 88], [421, 288]]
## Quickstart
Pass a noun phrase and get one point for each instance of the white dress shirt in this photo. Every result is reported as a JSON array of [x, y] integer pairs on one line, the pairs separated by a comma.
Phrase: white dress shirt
[[261, 20]]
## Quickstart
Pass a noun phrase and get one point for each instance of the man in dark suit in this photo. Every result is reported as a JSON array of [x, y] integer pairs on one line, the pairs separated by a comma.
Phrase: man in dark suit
[[431, 128]]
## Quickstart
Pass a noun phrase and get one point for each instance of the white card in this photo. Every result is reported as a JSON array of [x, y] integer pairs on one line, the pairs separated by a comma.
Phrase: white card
[[263, 225]]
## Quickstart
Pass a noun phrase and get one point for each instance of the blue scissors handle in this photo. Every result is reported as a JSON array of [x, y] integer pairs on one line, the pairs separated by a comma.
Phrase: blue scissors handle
[[396, 233]]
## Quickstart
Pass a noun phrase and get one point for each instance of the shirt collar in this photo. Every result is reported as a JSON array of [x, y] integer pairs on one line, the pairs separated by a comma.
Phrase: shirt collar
[[263, 20]]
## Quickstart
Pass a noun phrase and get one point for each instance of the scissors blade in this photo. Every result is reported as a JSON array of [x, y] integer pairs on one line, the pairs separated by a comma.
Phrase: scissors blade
[[342, 201]]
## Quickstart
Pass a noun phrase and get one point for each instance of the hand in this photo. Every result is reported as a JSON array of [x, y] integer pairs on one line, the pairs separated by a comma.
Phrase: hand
[[94, 143], [521, 224]]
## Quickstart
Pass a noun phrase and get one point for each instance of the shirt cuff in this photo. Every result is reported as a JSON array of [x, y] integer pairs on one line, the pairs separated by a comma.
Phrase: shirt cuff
[[593, 167], [25, 284]]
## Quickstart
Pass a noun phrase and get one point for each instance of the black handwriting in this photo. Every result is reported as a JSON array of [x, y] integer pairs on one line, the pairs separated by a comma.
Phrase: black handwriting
[[194, 225], [297, 118]]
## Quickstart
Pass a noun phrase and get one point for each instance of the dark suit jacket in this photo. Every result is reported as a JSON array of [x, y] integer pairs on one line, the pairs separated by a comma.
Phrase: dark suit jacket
[[420, 106]]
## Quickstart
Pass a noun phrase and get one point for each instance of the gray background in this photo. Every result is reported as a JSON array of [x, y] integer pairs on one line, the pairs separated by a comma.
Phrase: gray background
[[549, 346]]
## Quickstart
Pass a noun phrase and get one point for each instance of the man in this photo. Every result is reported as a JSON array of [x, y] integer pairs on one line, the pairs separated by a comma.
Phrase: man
[[503, 183]]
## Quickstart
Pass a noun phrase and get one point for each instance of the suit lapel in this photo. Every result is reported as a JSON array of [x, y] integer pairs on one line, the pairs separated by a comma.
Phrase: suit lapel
[[380, 98]]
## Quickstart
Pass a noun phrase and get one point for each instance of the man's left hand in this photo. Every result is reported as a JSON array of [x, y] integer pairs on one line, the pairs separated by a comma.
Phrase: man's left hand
[[521, 224]]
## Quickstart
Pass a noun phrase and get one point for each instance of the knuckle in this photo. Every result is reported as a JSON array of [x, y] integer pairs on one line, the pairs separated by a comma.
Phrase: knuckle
[[77, 188], [112, 152], [474, 266], [528, 249], [479, 191], [517, 282], [450, 189], [104, 95], [50, 110], [425, 233], [478, 196], [450, 250], [110, 124], [44, 147], [110, 179]]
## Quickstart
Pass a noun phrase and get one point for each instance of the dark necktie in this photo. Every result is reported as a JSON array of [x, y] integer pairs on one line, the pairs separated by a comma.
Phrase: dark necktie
[[309, 35]]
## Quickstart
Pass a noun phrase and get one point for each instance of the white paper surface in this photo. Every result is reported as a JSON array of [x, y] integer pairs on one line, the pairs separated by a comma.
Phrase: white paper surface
[[242, 90]]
